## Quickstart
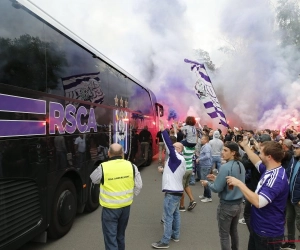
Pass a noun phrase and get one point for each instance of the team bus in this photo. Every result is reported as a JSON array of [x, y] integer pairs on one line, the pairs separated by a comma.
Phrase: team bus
[[62, 103]]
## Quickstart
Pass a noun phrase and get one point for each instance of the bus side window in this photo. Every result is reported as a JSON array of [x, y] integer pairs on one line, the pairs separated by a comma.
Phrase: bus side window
[[159, 110]]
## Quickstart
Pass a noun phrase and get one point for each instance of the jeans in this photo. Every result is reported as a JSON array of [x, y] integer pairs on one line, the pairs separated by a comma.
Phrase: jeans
[[192, 179], [292, 218], [216, 160], [257, 242], [114, 223], [204, 172], [161, 147], [228, 218], [172, 218], [198, 171]]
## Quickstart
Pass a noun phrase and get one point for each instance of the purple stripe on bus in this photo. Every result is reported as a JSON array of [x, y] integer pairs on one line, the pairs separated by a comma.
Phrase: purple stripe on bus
[[23, 105], [22, 128]]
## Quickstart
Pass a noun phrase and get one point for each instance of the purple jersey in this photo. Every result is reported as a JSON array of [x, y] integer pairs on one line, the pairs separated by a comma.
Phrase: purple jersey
[[273, 185]]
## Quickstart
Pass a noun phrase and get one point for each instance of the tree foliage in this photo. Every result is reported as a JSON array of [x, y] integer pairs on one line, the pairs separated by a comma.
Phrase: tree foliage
[[288, 18], [203, 56], [30, 63]]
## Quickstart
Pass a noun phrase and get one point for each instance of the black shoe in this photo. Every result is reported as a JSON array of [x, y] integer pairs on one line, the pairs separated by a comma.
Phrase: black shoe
[[288, 246], [182, 209], [159, 245], [174, 239], [197, 180], [192, 205]]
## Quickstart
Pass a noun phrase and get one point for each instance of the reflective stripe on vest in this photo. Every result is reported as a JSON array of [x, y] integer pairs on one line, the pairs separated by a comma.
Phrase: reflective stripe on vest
[[117, 189]]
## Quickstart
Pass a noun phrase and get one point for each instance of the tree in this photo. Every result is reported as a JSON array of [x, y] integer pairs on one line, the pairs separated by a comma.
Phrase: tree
[[30, 63], [288, 18], [233, 46], [203, 55]]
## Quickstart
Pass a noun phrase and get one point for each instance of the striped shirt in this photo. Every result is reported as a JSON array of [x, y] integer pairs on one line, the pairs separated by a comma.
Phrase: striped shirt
[[188, 156]]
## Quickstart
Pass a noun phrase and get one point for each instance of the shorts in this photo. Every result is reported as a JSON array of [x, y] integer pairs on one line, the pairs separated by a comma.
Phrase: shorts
[[186, 178]]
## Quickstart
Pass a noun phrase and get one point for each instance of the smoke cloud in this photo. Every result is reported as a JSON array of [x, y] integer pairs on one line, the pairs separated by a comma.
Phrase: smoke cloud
[[260, 79], [256, 84]]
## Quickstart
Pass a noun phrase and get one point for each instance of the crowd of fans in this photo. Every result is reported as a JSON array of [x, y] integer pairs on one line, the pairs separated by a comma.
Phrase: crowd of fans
[[258, 168]]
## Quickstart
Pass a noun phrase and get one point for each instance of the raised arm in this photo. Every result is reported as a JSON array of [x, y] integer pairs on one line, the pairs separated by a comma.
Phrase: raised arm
[[166, 138], [174, 162], [252, 156], [161, 126], [175, 129]]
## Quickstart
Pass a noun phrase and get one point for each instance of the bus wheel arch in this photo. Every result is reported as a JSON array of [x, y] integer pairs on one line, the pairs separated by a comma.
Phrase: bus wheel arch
[[93, 193], [64, 209]]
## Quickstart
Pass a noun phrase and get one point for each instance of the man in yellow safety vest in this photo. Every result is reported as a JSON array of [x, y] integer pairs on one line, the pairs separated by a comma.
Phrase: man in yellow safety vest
[[119, 179]]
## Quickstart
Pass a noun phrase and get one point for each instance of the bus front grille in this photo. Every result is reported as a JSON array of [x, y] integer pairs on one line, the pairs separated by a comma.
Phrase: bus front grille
[[19, 208]]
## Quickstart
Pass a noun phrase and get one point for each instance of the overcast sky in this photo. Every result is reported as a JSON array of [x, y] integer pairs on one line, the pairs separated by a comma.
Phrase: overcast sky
[[105, 23], [151, 38]]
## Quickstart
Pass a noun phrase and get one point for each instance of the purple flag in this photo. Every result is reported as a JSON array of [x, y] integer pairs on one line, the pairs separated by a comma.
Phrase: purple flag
[[206, 93]]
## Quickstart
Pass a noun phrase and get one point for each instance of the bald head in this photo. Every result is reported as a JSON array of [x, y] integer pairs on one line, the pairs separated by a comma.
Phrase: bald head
[[178, 146], [115, 149]]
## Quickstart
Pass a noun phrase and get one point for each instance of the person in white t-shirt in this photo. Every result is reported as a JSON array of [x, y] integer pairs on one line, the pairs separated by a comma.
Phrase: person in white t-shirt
[[80, 148]]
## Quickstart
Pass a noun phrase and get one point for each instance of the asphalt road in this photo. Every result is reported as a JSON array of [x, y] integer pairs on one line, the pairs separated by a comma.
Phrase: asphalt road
[[199, 228]]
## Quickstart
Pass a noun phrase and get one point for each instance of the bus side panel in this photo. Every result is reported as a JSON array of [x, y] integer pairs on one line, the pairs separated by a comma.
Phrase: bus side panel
[[42, 66], [23, 188]]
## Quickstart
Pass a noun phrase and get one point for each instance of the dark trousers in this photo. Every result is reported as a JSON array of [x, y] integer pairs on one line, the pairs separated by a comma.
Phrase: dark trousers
[[257, 242], [114, 223], [247, 213], [80, 159], [228, 218], [61, 159], [292, 219]]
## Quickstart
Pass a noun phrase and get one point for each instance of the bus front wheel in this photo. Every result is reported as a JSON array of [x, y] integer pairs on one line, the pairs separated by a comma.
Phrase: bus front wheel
[[93, 197], [63, 209]]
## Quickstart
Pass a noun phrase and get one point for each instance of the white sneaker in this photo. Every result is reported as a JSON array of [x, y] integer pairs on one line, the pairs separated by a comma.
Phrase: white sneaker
[[242, 221], [202, 197], [207, 200]]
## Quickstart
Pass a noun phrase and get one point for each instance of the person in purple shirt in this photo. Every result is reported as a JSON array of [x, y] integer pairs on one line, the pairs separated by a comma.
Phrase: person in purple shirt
[[269, 199]]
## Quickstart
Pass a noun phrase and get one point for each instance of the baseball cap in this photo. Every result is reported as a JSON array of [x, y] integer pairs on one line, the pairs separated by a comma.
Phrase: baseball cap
[[287, 142], [297, 145], [232, 146], [264, 137]]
